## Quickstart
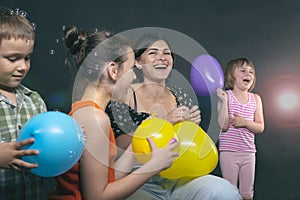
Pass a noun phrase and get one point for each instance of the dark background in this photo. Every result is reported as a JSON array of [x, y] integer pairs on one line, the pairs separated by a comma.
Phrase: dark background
[[267, 32]]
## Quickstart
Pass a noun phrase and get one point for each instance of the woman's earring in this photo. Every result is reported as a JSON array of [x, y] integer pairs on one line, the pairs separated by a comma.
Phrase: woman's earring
[[139, 66]]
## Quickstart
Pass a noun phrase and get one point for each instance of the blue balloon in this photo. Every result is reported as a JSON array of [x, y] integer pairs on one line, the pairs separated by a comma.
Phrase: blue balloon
[[206, 75], [59, 140]]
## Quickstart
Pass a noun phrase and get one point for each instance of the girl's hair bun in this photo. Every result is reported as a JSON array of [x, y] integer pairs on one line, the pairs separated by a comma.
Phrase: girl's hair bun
[[75, 39]]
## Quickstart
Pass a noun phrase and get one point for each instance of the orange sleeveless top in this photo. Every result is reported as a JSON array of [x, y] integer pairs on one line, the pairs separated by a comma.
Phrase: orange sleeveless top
[[68, 184]]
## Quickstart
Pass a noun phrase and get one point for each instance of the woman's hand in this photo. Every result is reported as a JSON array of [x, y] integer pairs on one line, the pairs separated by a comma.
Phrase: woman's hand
[[162, 158], [195, 115], [178, 114], [183, 113]]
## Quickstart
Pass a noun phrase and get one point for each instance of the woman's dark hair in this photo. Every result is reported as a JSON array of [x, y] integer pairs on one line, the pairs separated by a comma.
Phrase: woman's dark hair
[[145, 41], [105, 44]]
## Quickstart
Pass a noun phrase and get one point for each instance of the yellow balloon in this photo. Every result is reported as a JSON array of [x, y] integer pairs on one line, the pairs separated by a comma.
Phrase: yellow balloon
[[159, 130], [198, 154]]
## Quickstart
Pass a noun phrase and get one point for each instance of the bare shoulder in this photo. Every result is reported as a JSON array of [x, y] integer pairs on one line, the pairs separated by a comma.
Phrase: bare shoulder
[[91, 116], [136, 86], [257, 98], [132, 94]]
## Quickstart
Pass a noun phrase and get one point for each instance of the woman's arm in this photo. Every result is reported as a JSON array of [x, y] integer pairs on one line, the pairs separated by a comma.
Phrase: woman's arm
[[124, 141], [95, 159], [161, 159], [125, 163]]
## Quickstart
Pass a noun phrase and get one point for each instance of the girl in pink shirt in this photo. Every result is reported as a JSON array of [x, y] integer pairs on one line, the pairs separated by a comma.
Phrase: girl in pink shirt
[[240, 116]]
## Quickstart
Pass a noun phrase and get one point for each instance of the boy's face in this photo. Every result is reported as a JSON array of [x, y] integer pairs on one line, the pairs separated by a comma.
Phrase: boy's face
[[14, 61]]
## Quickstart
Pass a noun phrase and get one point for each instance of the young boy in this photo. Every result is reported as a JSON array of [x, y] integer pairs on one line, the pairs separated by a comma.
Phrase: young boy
[[17, 105]]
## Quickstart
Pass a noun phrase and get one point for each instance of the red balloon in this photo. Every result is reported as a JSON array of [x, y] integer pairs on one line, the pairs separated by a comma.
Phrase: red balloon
[[206, 75]]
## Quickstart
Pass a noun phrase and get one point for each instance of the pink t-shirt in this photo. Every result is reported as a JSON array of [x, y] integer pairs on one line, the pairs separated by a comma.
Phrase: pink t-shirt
[[238, 139]]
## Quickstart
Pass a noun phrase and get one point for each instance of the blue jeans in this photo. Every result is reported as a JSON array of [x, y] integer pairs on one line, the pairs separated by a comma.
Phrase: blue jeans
[[206, 187]]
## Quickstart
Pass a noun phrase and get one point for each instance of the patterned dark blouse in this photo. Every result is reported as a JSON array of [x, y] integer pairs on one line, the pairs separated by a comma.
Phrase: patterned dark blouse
[[124, 119]]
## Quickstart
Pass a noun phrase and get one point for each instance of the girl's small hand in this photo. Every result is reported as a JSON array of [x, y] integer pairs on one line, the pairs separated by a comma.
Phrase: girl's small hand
[[238, 121], [222, 95]]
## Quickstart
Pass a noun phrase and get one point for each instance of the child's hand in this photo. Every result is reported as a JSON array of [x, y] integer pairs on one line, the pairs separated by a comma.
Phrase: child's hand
[[195, 115], [222, 95], [10, 155], [238, 121], [162, 158]]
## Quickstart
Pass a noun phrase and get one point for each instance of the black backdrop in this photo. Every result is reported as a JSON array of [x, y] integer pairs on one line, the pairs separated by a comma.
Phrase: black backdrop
[[265, 31]]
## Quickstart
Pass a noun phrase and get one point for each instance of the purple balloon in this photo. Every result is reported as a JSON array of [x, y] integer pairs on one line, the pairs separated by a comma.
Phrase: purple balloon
[[206, 75]]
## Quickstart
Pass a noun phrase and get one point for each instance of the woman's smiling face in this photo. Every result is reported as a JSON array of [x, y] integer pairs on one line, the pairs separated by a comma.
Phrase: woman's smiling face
[[156, 62]]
